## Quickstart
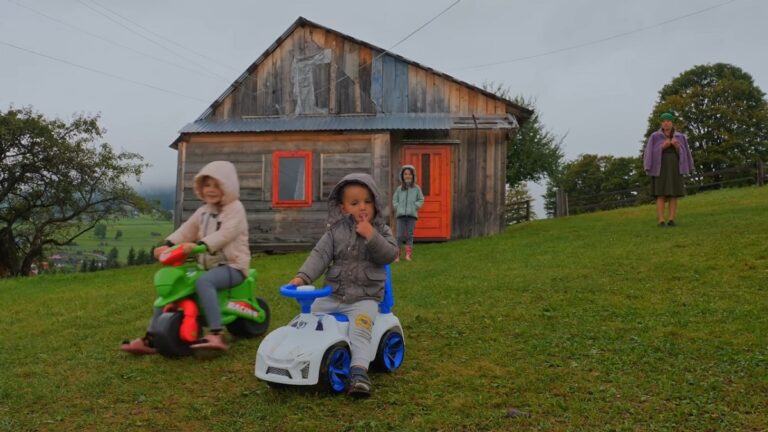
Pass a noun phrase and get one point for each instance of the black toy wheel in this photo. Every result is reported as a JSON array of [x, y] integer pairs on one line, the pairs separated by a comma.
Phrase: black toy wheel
[[245, 328], [334, 369], [391, 351], [166, 336]]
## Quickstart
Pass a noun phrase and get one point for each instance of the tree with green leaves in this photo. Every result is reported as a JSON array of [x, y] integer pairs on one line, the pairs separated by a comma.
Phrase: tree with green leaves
[[57, 183], [100, 231], [112, 261], [131, 256], [535, 153], [595, 182], [141, 257], [119, 234], [723, 114], [518, 204]]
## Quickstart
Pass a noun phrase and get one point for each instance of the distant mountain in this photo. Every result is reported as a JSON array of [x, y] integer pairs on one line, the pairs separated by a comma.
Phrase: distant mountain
[[166, 196]]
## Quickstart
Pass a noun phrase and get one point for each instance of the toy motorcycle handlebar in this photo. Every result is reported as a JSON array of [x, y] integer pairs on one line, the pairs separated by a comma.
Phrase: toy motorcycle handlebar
[[304, 296], [175, 255]]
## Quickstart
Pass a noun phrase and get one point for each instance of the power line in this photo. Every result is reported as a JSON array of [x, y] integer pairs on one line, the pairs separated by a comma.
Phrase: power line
[[163, 37], [202, 67], [158, 59], [326, 87], [389, 50], [420, 27], [90, 69], [597, 41]]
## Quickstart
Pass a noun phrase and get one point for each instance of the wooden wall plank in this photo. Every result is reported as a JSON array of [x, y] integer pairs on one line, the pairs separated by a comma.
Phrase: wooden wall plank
[[364, 80], [454, 96], [377, 81], [417, 92], [332, 42], [401, 85], [389, 104], [464, 100]]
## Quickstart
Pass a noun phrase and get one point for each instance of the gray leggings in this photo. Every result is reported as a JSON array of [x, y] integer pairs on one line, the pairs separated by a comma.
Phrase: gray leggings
[[216, 279], [405, 226], [361, 315]]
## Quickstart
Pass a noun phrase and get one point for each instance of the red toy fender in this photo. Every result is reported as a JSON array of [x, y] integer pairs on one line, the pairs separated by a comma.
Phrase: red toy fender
[[188, 328]]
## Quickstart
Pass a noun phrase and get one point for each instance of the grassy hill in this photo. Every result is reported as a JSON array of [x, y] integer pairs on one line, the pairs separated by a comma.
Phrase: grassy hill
[[142, 232], [593, 322]]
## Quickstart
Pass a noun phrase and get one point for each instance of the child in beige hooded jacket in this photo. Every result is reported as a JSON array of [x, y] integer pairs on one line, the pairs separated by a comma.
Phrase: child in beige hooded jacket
[[221, 225]]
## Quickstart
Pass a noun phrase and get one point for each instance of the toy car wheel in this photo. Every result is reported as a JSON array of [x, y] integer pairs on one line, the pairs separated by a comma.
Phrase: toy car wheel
[[391, 351], [166, 336], [334, 369], [245, 328]]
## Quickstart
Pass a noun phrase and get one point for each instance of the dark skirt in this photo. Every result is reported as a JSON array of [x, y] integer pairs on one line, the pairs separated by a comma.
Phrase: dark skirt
[[669, 182]]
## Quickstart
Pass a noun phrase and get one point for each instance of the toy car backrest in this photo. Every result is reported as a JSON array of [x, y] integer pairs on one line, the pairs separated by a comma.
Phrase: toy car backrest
[[389, 297]]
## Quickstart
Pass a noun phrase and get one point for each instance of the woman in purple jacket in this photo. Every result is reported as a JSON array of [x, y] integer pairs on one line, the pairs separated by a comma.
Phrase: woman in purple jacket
[[667, 159]]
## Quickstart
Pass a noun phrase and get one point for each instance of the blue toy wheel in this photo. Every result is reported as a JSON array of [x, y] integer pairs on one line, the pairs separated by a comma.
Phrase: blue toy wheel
[[391, 352], [334, 369]]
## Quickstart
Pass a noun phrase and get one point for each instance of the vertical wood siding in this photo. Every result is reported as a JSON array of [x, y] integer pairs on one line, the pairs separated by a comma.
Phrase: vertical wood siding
[[356, 81], [335, 156]]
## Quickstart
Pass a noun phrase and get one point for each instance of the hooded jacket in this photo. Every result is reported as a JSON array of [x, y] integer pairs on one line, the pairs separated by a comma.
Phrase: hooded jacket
[[355, 266], [407, 201], [222, 227]]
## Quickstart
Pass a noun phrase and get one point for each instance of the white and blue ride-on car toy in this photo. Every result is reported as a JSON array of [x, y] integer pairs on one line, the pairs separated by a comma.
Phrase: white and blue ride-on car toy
[[313, 349]]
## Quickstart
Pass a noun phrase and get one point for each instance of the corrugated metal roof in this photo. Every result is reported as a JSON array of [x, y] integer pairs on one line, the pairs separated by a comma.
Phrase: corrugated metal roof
[[323, 123]]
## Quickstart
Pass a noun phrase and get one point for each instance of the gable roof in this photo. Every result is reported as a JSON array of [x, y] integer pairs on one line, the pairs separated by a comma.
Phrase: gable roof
[[521, 113]]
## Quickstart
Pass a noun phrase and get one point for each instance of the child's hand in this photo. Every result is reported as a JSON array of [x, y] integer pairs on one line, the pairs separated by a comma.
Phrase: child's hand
[[159, 251], [187, 247], [296, 281], [364, 228]]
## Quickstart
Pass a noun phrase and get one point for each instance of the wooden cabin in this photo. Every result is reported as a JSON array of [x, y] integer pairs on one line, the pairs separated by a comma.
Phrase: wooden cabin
[[319, 104]]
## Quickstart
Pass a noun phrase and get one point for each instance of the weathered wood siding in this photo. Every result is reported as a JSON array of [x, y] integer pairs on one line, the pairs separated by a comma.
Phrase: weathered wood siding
[[479, 178], [334, 156], [315, 71]]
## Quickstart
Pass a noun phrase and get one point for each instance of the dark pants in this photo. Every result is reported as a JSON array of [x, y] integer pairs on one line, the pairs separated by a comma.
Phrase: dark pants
[[405, 226]]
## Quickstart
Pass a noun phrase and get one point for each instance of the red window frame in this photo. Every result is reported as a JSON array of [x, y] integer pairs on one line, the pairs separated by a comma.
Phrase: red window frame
[[307, 201]]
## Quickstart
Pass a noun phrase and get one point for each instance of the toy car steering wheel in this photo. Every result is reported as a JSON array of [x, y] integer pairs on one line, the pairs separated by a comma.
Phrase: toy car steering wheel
[[303, 295]]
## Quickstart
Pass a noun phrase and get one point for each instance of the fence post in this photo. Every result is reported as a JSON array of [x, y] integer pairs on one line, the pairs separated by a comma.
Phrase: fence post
[[527, 210], [760, 173], [561, 203]]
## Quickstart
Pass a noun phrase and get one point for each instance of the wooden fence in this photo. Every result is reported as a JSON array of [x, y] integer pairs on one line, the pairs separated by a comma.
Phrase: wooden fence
[[744, 175], [518, 211]]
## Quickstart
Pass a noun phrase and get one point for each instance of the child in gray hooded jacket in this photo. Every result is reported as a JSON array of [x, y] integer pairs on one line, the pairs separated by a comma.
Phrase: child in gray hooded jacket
[[352, 253]]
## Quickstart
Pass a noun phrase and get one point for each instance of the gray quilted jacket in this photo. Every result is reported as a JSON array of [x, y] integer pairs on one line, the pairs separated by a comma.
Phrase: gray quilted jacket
[[353, 267]]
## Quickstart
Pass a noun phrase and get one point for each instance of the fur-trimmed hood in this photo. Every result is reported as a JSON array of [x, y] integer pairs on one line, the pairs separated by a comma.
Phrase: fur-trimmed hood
[[413, 170], [334, 199]]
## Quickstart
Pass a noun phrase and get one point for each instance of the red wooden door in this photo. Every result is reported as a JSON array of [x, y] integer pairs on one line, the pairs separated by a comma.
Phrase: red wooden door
[[433, 175]]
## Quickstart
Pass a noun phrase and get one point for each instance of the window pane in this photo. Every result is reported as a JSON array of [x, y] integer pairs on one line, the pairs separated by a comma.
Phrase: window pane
[[291, 179], [424, 177]]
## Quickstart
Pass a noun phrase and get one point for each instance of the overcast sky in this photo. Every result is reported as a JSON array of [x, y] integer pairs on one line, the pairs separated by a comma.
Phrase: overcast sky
[[599, 94]]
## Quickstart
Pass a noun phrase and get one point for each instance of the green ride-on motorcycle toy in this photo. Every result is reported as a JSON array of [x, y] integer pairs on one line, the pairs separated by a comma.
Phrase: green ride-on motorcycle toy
[[182, 320]]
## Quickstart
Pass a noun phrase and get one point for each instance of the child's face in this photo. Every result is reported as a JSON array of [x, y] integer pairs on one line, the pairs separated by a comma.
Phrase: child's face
[[408, 176], [666, 124], [212, 193], [356, 200]]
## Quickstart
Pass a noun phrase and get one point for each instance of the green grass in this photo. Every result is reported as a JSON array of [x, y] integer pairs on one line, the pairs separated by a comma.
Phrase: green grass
[[137, 234], [593, 322]]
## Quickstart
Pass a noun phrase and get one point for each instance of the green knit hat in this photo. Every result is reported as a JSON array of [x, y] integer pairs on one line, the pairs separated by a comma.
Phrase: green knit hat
[[667, 116]]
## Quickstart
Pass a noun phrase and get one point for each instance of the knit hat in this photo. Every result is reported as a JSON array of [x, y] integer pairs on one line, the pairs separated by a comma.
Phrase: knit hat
[[667, 116]]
